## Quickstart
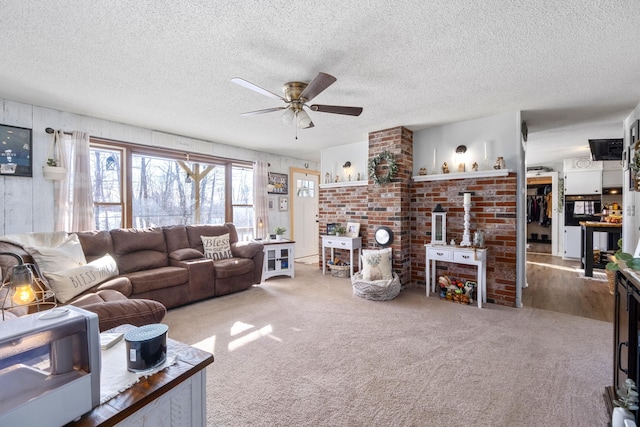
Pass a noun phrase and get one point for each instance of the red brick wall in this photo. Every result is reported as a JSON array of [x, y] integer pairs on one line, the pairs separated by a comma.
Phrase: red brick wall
[[405, 206], [493, 211]]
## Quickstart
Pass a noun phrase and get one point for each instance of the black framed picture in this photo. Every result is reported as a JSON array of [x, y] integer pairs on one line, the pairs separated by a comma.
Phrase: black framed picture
[[15, 151], [278, 183]]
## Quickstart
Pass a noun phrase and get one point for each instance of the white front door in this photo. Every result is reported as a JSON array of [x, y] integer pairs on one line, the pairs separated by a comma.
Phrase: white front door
[[305, 212]]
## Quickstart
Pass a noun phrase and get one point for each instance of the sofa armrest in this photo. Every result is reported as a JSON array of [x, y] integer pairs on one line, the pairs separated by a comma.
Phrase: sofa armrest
[[185, 254], [246, 249]]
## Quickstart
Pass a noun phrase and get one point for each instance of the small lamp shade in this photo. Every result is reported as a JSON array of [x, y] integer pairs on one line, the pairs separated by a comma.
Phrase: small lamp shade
[[23, 287]]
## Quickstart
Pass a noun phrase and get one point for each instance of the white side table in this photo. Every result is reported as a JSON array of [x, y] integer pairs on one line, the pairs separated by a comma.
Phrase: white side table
[[456, 255], [278, 258], [347, 243]]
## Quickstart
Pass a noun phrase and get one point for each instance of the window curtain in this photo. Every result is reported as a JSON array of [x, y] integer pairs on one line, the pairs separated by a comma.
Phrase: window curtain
[[73, 196], [260, 208]]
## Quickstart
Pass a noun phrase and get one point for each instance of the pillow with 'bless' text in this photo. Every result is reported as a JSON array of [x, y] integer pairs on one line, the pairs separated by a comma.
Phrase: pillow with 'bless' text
[[216, 247]]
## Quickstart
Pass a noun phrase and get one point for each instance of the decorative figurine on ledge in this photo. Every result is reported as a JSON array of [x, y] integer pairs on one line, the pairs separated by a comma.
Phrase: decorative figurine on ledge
[[423, 171], [327, 178], [445, 168], [461, 167], [474, 167], [337, 178], [500, 164]]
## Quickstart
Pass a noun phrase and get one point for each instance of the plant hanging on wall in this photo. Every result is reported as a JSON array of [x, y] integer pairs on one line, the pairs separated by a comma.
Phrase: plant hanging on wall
[[384, 159]]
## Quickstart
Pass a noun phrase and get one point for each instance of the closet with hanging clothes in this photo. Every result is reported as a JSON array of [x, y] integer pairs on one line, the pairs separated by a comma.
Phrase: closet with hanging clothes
[[539, 214]]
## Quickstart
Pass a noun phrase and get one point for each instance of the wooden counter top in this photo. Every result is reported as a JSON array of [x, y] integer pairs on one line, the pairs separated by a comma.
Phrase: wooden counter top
[[600, 224]]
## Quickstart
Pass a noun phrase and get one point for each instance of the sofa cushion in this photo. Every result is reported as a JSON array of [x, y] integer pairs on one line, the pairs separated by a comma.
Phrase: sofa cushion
[[157, 278], [74, 281], [195, 231], [114, 309], [95, 244], [137, 249], [232, 267], [216, 247], [176, 237], [185, 254], [67, 254]]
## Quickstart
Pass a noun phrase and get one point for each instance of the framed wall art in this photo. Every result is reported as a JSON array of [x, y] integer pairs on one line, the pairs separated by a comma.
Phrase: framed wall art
[[15, 151], [283, 204], [279, 183]]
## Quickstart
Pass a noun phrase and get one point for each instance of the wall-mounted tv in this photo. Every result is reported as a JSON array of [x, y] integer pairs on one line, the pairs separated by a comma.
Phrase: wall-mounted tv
[[15, 151]]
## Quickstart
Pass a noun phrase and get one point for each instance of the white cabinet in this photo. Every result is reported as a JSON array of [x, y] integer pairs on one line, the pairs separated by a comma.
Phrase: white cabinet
[[572, 239], [583, 182], [278, 259], [612, 175]]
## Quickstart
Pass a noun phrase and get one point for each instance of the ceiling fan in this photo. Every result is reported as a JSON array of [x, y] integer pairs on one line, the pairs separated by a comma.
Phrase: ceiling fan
[[296, 97]]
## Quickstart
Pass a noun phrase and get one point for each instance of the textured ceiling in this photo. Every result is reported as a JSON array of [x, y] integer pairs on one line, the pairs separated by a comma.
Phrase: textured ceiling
[[572, 67]]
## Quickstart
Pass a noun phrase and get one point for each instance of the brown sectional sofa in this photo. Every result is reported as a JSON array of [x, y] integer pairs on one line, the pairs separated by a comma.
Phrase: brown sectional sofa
[[159, 267], [167, 264]]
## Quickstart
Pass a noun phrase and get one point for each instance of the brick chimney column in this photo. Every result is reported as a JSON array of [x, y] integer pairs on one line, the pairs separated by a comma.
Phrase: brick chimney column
[[390, 204]]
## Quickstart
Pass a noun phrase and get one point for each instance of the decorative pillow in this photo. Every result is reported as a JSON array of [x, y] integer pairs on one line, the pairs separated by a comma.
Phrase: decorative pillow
[[69, 283], [68, 254], [216, 247], [376, 264]]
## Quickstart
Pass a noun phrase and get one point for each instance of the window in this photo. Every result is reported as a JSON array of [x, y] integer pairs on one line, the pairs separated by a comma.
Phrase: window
[[163, 188], [106, 179]]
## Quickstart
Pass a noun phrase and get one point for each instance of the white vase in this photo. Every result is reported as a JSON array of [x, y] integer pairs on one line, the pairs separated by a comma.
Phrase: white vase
[[619, 415], [278, 237]]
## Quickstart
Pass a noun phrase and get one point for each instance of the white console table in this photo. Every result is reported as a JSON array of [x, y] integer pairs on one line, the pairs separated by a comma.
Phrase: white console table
[[457, 255], [347, 243]]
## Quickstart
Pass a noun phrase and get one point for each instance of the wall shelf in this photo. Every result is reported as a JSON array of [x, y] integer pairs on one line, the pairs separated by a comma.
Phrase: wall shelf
[[345, 184], [462, 175]]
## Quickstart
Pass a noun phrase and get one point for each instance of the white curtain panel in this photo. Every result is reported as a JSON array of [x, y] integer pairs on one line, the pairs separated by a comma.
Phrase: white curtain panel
[[260, 203], [73, 195]]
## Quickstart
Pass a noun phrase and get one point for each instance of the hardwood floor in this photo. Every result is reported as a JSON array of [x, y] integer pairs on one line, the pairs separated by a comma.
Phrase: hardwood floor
[[557, 285]]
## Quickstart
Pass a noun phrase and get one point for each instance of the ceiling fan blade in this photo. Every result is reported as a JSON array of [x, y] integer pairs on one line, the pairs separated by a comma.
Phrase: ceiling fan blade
[[266, 110], [337, 109], [317, 85], [309, 126], [249, 85]]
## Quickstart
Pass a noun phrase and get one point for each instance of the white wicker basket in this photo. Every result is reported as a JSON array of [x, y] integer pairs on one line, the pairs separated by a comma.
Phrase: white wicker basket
[[376, 290]]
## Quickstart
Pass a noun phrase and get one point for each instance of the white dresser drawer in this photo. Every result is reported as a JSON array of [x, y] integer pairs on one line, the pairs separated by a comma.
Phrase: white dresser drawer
[[466, 257], [338, 243], [440, 254]]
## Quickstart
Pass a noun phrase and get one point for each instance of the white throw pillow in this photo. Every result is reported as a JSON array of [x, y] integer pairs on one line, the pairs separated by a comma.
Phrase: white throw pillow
[[68, 254], [376, 264], [216, 247], [72, 282]]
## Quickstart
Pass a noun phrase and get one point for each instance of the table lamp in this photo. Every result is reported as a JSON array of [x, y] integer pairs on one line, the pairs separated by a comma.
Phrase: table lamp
[[23, 287]]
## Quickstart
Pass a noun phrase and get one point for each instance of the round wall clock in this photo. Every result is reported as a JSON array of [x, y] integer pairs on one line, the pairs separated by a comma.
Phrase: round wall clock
[[384, 236]]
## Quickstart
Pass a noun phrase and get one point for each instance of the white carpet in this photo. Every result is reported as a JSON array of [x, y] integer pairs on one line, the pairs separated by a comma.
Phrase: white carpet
[[306, 352]]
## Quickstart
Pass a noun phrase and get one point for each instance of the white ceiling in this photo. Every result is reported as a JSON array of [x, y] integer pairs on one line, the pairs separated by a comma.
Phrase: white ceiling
[[571, 66]]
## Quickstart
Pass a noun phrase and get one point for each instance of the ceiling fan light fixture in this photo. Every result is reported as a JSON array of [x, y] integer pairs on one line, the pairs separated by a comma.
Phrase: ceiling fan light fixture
[[303, 119], [288, 116]]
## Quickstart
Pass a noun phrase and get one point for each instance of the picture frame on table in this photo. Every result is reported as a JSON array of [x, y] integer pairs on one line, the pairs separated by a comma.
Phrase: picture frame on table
[[353, 229], [331, 228], [16, 151]]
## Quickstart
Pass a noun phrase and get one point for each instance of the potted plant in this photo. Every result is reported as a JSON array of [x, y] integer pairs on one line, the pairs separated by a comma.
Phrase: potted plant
[[623, 259], [279, 231], [51, 170], [627, 401], [340, 230]]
